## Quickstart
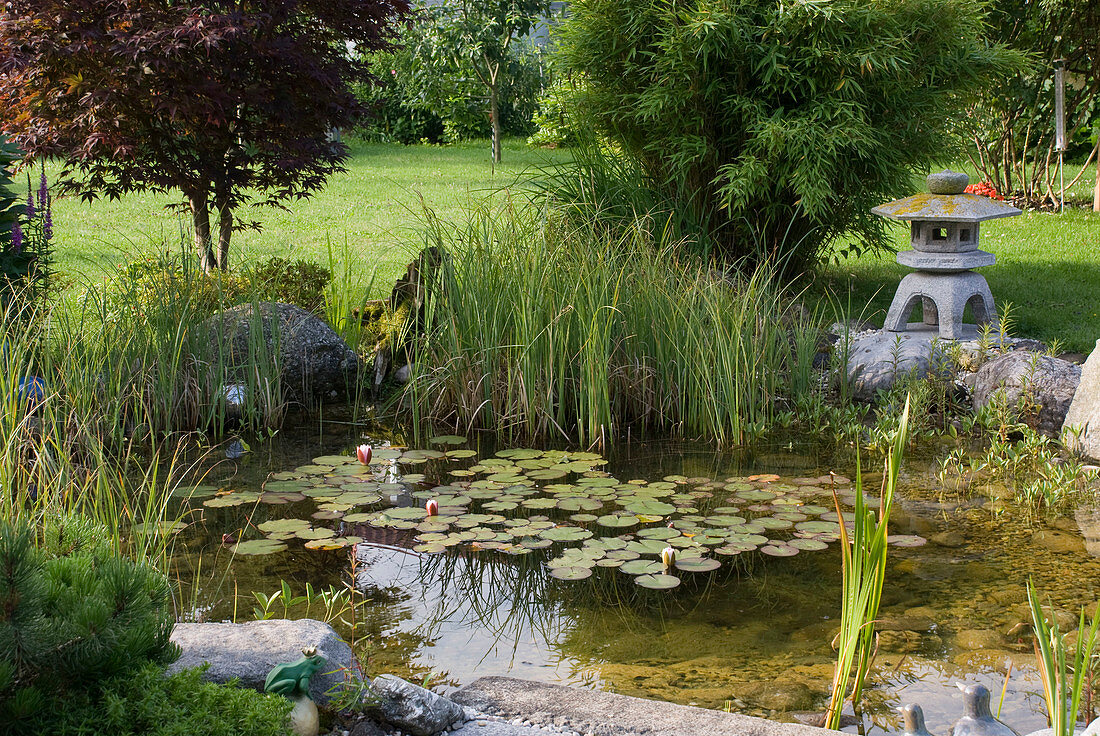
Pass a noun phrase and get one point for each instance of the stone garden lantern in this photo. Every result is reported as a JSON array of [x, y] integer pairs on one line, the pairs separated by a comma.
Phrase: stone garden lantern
[[944, 228]]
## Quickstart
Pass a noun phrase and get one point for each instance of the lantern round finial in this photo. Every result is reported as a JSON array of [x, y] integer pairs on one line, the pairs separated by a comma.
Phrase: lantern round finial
[[947, 182]]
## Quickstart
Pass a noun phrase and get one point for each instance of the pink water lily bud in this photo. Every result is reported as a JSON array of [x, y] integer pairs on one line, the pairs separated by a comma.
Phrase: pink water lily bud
[[363, 452], [431, 507], [668, 557]]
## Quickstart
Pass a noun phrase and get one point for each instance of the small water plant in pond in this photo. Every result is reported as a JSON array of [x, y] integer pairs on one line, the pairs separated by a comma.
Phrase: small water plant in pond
[[864, 571], [1064, 681], [578, 520]]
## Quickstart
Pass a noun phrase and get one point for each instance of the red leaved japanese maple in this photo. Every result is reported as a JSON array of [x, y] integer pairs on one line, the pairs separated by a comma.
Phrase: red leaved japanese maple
[[230, 103]]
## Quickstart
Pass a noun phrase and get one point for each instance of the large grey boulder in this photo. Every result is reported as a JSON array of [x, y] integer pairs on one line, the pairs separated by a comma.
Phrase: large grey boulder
[[314, 363], [248, 651], [1084, 410], [413, 709], [877, 360], [1046, 383]]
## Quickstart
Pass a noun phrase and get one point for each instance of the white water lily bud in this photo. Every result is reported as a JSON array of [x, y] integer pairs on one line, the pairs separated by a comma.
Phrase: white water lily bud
[[668, 557]]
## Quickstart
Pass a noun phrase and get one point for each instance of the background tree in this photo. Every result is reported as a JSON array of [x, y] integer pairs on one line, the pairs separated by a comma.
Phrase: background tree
[[228, 102], [1012, 125], [480, 36], [780, 124], [436, 94]]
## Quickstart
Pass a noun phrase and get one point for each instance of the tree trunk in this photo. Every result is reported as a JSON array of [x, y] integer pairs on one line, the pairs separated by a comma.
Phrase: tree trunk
[[494, 107], [1096, 189], [200, 223], [225, 232]]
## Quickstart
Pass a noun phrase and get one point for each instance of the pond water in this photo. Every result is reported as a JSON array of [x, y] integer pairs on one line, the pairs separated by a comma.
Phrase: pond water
[[537, 589]]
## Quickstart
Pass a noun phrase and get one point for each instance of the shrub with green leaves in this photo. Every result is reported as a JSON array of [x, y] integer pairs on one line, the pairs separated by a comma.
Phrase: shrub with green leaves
[[780, 124], [72, 614], [300, 282], [146, 703]]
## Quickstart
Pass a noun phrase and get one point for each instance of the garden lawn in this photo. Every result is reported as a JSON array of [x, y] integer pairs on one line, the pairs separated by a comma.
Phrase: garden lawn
[[1047, 277], [370, 216]]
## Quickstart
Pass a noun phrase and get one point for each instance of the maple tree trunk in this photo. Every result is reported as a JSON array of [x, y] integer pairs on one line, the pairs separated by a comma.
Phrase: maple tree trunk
[[225, 232], [200, 223]]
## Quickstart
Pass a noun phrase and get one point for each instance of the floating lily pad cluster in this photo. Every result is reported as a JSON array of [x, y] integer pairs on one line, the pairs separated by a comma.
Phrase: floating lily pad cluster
[[524, 500]]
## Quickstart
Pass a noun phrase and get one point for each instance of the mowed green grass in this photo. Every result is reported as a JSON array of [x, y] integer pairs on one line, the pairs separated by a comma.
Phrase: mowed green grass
[[370, 216], [1048, 265]]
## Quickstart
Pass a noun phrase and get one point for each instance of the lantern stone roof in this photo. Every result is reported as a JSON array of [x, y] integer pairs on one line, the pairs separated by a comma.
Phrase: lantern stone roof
[[946, 202], [945, 208]]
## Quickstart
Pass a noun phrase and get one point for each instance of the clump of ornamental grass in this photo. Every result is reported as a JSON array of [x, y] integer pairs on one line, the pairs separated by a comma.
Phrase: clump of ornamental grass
[[546, 326]]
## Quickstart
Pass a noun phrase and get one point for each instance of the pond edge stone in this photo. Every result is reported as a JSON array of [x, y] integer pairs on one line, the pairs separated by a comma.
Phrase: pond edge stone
[[247, 652]]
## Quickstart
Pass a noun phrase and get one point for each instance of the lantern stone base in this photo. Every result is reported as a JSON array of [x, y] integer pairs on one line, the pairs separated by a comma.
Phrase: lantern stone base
[[944, 297]]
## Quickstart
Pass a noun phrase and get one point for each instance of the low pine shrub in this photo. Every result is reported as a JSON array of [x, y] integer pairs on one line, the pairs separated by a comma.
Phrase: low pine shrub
[[72, 613]]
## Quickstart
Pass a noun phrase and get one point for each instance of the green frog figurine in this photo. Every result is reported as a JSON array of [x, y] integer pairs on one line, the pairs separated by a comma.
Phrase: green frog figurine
[[292, 680]]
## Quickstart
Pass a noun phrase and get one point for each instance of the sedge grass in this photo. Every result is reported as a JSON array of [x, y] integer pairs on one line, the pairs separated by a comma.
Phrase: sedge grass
[[1064, 682], [544, 326], [863, 558]]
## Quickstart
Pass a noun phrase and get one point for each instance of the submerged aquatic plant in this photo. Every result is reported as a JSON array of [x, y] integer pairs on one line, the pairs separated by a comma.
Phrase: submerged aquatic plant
[[1064, 682], [863, 557]]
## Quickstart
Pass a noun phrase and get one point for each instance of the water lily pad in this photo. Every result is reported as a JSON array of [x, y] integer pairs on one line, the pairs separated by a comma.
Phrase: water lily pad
[[642, 567], [906, 540], [617, 520], [536, 542], [658, 532], [571, 573], [816, 526], [231, 499], [657, 581], [276, 499], [258, 547], [724, 520], [649, 508], [697, 564], [808, 544], [776, 550], [583, 518], [565, 534], [579, 504], [548, 473], [194, 491]]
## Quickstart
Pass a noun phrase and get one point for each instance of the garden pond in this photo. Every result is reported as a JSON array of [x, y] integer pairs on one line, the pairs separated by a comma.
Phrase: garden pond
[[546, 564]]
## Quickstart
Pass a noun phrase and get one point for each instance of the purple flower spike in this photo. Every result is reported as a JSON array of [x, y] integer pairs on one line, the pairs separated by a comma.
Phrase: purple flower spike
[[30, 205], [43, 190], [16, 237], [47, 222]]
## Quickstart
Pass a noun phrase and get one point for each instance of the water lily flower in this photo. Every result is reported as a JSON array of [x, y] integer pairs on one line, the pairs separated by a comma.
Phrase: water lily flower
[[432, 507], [363, 452], [668, 557]]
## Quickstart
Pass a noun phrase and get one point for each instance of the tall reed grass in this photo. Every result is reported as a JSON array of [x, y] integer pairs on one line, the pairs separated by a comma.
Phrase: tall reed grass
[[100, 395], [549, 326]]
